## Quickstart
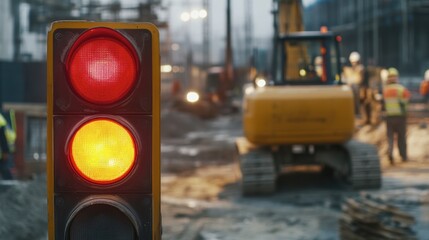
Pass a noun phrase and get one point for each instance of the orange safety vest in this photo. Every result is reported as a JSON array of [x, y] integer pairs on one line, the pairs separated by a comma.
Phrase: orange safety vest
[[424, 88], [396, 99]]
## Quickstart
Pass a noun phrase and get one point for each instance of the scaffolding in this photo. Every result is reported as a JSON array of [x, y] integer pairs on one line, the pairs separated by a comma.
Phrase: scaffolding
[[386, 33]]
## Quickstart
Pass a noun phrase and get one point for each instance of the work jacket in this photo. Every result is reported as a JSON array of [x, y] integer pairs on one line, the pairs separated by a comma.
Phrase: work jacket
[[4, 147], [396, 99], [354, 75], [424, 88]]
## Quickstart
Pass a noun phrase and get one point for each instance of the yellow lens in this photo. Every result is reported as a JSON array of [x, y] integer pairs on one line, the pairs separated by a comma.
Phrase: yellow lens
[[103, 151]]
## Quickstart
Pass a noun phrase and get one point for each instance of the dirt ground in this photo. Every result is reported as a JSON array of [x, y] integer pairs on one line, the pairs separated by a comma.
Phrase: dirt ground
[[201, 197], [201, 194]]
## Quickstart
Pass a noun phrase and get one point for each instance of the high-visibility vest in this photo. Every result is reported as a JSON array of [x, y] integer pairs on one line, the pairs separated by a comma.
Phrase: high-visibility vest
[[396, 99], [424, 88], [9, 132]]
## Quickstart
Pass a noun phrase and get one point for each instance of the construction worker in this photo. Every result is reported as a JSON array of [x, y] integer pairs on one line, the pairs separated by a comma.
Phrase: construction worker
[[424, 89], [396, 98], [4, 147], [176, 87], [318, 66], [354, 77]]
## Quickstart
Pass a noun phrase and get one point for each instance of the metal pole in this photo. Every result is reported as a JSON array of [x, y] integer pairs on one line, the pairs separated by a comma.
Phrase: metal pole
[[228, 55], [16, 30], [206, 34], [375, 35], [275, 63], [360, 27], [404, 44], [248, 26]]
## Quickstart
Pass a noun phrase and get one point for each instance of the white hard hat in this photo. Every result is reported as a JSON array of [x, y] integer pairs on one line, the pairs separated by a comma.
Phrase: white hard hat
[[427, 75], [354, 57], [318, 60], [384, 75]]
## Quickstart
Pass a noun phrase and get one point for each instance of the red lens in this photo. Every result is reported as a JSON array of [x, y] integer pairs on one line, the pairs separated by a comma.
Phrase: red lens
[[102, 66]]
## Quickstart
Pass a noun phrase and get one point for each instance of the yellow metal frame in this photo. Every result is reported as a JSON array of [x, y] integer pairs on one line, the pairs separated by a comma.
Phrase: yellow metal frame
[[156, 172], [279, 115]]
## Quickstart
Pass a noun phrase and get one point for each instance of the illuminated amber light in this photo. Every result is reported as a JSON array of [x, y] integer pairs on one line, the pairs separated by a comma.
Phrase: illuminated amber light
[[103, 151]]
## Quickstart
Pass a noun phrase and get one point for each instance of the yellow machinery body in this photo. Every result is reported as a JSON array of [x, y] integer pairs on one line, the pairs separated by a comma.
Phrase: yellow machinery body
[[299, 115], [304, 116]]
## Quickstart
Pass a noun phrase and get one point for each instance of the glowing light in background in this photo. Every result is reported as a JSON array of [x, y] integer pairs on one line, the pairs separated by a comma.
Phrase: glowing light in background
[[193, 15], [202, 13], [175, 47], [185, 16], [166, 68], [192, 97], [260, 82], [307, 3]]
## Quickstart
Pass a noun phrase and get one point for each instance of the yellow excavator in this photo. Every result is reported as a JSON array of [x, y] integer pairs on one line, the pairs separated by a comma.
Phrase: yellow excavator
[[305, 116]]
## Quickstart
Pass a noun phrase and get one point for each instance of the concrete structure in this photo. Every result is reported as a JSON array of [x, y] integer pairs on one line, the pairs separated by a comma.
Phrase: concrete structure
[[6, 29], [17, 42], [385, 32]]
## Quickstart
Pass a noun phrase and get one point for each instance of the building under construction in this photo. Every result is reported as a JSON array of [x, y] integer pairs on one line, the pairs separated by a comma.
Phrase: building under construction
[[385, 32]]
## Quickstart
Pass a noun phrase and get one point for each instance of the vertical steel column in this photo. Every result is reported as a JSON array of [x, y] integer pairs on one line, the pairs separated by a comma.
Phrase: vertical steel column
[[405, 44], [248, 26], [375, 32], [228, 55], [360, 27], [275, 62], [206, 35], [16, 29]]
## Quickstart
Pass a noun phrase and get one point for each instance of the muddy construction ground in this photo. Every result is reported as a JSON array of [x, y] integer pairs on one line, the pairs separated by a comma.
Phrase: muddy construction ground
[[201, 197], [201, 189]]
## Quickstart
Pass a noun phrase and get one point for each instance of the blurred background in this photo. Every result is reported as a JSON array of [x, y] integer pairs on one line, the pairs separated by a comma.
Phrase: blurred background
[[209, 51], [194, 39]]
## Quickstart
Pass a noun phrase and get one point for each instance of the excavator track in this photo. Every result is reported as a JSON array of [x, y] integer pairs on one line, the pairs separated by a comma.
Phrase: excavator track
[[258, 171], [364, 165]]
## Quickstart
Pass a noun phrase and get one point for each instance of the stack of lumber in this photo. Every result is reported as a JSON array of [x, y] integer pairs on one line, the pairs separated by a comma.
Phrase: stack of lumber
[[366, 218]]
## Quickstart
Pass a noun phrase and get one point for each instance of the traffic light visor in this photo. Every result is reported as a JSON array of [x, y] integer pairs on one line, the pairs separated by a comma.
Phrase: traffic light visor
[[102, 66], [102, 151]]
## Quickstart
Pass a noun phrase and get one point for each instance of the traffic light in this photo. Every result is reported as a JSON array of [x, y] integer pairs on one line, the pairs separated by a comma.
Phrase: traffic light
[[103, 131]]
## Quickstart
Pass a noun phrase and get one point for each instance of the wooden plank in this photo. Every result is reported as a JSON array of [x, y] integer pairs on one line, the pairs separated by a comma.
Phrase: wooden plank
[[364, 218]]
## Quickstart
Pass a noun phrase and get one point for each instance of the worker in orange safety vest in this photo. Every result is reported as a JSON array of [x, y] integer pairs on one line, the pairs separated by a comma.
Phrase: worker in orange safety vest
[[424, 89], [396, 98]]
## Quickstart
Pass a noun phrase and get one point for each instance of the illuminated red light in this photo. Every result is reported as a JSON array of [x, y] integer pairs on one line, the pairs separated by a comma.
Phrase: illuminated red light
[[102, 66], [339, 38]]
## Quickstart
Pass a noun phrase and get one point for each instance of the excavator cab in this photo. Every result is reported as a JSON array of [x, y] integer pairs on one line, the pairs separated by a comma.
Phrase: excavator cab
[[307, 58]]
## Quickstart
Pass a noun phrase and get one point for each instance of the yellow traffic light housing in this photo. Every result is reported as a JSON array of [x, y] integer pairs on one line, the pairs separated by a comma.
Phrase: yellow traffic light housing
[[103, 131]]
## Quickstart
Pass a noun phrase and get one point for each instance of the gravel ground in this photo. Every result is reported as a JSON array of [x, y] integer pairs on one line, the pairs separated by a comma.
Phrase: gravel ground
[[23, 214]]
